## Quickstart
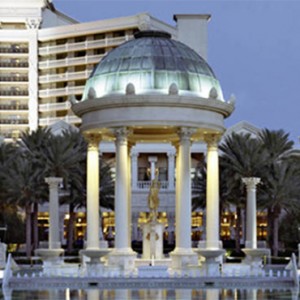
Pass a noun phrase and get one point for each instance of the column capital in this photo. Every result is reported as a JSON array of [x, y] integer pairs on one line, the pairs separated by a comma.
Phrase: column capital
[[53, 181], [134, 154], [251, 182], [171, 154], [93, 140], [185, 133], [212, 140], [121, 134], [33, 23]]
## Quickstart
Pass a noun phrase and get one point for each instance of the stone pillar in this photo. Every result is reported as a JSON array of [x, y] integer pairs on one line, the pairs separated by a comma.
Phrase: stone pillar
[[183, 254], [121, 190], [122, 256], [51, 256], [129, 193], [152, 160], [134, 169], [212, 193], [251, 219], [54, 237], [92, 201], [171, 170]]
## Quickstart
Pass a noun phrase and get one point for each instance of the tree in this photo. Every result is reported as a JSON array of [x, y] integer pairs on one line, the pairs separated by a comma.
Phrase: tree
[[23, 186], [241, 156], [279, 186], [32, 145]]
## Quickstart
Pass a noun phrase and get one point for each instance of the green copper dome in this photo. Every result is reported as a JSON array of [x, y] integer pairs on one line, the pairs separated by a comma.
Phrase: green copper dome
[[152, 62]]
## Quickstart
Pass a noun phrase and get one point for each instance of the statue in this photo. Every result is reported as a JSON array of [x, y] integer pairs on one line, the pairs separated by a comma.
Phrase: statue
[[153, 200]]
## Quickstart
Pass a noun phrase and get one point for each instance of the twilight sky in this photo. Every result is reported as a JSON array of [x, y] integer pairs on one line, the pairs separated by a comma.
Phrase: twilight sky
[[253, 48]]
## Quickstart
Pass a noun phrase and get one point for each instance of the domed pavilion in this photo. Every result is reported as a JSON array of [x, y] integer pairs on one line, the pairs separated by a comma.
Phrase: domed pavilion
[[153, 89]]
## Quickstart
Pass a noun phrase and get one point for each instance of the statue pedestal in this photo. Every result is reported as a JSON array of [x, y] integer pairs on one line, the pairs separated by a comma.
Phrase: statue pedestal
[[153, 240]]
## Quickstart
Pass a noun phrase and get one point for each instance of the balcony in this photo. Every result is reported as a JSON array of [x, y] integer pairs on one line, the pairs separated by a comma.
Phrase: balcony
[[13, 107], [13, 121], [54, 106], [64, 76], [13, 50], [83, 45], [75, 61], [23, 93], [51, 120], [9, 65], [7, 78], [74, 90]]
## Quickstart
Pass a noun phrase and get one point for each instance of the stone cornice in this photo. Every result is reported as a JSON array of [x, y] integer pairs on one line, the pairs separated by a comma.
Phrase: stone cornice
[[118, 101]]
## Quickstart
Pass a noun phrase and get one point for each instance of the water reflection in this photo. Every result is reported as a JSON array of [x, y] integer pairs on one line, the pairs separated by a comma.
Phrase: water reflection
[[153, 294]]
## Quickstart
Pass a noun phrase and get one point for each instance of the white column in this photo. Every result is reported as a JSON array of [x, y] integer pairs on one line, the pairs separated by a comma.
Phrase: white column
[[129, 193], [212, 193], [32, 34], [92, 201], [134, 169], [251, 219], [183, 191], [152, 160], [121, 190], [171, 169], [54, 237]]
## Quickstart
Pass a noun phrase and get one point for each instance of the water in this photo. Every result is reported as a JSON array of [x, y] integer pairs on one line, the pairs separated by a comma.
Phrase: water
[[151, 294]]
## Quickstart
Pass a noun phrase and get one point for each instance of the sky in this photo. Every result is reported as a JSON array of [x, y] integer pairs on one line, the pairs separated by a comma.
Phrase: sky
[[253, 48]]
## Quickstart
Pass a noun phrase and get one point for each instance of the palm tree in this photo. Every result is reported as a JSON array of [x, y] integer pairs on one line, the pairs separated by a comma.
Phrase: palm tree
[[23, 186], [279, 181], [277, 145], [32, 144], [241, 156], [75, 185]]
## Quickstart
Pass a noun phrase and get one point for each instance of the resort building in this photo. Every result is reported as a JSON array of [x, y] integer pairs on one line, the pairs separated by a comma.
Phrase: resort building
[[46, 57]]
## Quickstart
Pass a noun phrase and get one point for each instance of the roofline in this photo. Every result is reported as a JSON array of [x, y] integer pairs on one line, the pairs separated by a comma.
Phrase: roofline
[[103, 25]]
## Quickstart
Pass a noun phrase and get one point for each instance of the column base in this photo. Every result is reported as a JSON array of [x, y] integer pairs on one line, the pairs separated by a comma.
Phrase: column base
[[183, 259], [254, 258], [123, 259], [49, 254], [52, 261], [95, 254], [211, 266]]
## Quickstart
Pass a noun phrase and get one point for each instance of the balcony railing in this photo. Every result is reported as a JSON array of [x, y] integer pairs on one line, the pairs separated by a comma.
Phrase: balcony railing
[[145, 185], [4, 64], [82, 45], [64, 76], [74, 90], [13, 121], [51, 120], [13, 107], [82, 60], [13, 50], [164, 185], [54, 106], [8, 78], [13, 93]]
